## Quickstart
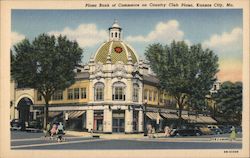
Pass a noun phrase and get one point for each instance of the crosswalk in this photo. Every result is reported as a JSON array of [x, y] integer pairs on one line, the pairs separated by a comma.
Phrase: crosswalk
[[40, 142]]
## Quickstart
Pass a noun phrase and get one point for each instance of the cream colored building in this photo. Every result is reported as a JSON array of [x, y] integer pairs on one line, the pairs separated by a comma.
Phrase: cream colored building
[[109, 95]]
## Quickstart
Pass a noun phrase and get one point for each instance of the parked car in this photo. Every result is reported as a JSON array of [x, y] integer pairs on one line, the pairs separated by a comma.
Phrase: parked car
[[212, 126], [34, 126], [186, 132], [205, 130], [225, 128], [238, 129], [16, 124], [216, 131]]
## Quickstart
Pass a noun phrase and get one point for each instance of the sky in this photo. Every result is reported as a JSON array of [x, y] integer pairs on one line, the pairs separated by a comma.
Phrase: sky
[[217, 29]]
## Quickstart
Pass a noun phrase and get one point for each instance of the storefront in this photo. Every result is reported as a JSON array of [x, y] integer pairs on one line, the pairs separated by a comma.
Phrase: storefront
[[98, 121], [118, 121]]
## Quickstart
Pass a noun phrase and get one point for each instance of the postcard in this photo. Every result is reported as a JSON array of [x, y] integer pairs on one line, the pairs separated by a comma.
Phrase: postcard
[[124, 78]]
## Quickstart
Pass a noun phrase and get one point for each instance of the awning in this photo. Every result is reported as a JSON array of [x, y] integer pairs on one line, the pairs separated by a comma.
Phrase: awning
[[75, 114], [154, 115], [208, 119], [54, 113], [169, 116], [198, 119]]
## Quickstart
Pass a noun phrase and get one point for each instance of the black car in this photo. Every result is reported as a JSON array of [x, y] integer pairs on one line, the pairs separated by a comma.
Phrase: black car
[[16, 124], [34, 126], [186, 132]]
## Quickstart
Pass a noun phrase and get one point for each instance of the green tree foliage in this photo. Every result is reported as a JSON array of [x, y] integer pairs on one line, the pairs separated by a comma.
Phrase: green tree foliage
[[46, 64], [229, 101], [186, 73]]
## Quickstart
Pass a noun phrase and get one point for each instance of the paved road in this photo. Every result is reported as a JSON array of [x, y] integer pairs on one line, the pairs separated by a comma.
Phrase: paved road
[[24, 140]]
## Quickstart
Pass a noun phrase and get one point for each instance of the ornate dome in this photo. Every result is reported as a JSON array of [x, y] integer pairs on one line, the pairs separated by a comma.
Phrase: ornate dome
[[115, 51]]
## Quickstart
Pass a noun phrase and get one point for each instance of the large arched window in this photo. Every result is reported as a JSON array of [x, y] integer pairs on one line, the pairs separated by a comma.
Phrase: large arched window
[[99, 91], [119, 91], [135, 92]]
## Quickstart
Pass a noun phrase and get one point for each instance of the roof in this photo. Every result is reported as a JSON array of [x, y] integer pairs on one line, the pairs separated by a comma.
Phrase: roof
[[82, 75], [150, 79], [116, 51]]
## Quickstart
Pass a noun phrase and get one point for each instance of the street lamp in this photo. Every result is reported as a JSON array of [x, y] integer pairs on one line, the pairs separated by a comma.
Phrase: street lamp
[[145, 118]]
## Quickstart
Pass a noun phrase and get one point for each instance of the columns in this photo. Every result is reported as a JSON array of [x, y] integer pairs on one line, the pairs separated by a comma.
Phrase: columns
[[140, 121], [107, 120], [128, 121], [90, 119]]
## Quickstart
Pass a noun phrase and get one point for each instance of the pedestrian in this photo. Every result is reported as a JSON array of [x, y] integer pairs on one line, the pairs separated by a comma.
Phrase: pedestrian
[[233, 134], [47, 130], [149, 130], [153, 132], [60, 132], [167, 131], [53, 130]]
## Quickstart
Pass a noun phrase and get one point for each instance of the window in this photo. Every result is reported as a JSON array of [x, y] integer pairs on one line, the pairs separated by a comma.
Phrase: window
[[39, 96], [116, 34], [99, 91], [70, 94], [119, 35], [112, 34], [145, 94], [150, 95], [83, 93], [161, 100], [155, 96], [58, 95], [118, 91], [135, 93], [215, 87], [76, 93]]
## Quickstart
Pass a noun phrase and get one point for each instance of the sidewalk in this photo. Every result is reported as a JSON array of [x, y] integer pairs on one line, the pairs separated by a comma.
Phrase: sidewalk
[[158, 136], [106, 136]]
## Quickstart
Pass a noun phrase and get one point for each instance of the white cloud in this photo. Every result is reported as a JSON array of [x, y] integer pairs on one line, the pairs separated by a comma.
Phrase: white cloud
[[228, 46], [87, 35], [227, 42], [16, 37], [163, 32]]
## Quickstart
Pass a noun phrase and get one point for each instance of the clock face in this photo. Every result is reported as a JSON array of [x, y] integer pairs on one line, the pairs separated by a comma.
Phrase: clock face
[[118, 49]]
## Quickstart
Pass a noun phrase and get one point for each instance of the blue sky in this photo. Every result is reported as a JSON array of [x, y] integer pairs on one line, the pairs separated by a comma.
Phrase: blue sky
[[219, 30]]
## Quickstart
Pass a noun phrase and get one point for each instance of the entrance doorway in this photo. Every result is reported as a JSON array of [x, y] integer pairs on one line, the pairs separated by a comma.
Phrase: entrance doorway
[[118, 121], [135, 121], [23, 108], [98, 121]]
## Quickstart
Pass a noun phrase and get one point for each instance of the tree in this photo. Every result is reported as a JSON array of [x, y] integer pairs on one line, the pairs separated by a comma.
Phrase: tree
[[186, 73], [229, 101], [47, 65]]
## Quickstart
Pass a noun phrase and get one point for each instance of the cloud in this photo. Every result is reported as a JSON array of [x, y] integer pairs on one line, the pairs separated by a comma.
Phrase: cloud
[[230, 70], [226, 43], [16, 37], [163, 32], [87, 35], [228, 47]]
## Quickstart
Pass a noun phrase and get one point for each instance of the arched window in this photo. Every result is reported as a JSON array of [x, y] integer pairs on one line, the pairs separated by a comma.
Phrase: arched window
[[116, 34], [135, 92], [119, 35], [119, 91], [99, 91], [112, 34]]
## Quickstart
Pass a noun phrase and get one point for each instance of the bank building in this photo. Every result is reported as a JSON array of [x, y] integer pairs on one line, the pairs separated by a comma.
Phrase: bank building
[[115, 92]]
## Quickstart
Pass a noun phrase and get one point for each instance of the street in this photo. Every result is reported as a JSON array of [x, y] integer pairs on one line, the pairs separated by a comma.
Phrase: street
[[26, 141]]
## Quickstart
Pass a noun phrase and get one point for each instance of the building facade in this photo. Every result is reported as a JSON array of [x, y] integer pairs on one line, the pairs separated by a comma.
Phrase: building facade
[[114, 92]]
